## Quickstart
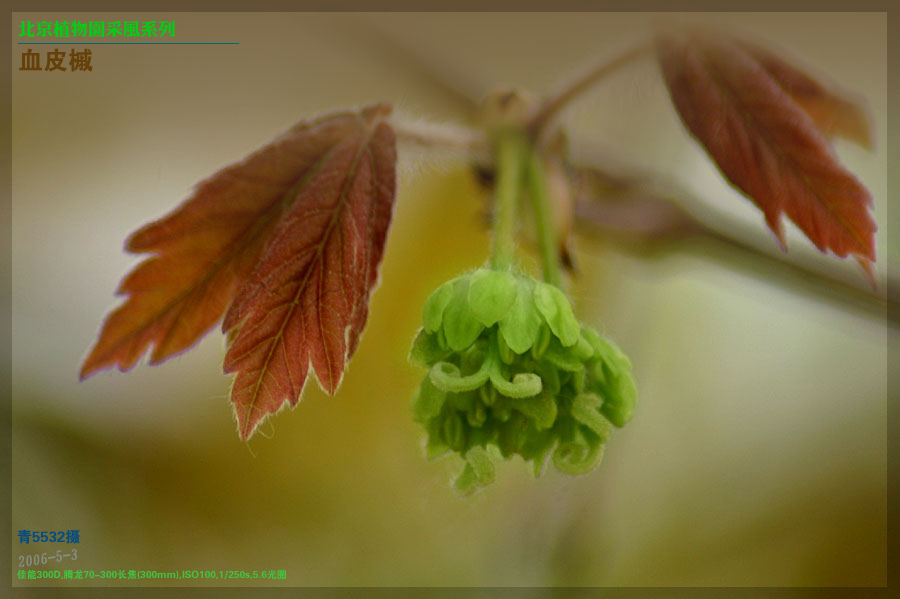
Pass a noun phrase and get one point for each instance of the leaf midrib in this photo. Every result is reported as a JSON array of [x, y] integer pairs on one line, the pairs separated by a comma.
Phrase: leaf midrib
[[278, 337]]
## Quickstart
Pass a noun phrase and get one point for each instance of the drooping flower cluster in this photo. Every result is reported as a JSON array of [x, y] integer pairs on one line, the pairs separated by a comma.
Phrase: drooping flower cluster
[[511, 371]]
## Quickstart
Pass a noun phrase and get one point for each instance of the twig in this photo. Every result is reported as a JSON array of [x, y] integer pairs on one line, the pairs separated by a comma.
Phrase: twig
[[558, 98], [434, 135], [675, 229]]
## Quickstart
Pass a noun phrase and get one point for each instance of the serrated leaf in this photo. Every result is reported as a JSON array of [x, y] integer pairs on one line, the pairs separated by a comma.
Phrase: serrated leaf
[[758, 131], [306, 301], [833, 112], [308, 212], [206, 247]]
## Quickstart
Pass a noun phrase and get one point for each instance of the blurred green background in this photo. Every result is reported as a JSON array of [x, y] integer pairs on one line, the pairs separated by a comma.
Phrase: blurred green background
[[757, 454]]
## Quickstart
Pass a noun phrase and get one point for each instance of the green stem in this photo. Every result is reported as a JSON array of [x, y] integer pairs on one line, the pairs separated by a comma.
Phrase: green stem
[[510, 154], [546, 234]]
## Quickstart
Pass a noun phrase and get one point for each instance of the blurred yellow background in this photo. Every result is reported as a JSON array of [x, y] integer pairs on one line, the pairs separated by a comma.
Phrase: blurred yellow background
[[757, 454]]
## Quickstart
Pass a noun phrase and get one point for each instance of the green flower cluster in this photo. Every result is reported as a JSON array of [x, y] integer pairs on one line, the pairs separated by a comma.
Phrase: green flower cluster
[[512, 372]]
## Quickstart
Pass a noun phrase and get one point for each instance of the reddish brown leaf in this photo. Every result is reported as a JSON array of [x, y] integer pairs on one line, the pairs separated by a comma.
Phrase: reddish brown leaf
[[306, 301], [833, 113], [764, 141], [315, 205]]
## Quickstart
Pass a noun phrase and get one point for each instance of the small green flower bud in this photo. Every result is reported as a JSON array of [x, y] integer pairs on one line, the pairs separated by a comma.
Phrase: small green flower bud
[[478, 472], [454, 431], [488, 394], [506, 354], [428, 402], [543, 340], [476, 415]]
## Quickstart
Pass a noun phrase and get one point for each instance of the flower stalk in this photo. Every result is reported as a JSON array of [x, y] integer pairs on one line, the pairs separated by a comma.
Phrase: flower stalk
[[510, 150], [543, 218]]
